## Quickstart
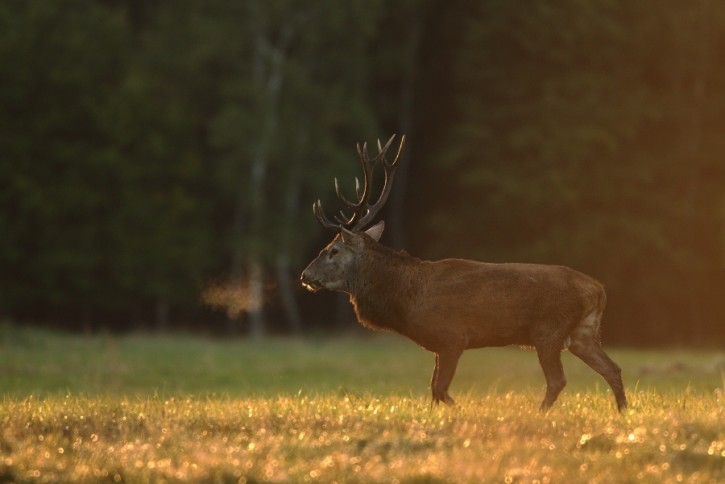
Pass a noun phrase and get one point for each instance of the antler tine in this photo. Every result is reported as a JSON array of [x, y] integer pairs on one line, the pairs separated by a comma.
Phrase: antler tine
[[400, 150], [342, 198], [365, 152], [372, 210], [344, 220], [322, 218], [384, 149], [368, 166]]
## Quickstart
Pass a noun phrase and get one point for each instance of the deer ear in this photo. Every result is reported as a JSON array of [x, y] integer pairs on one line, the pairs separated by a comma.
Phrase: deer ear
[[376, 231]]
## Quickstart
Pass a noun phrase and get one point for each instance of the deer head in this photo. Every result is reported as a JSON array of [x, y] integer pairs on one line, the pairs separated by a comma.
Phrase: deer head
[[334, 268]]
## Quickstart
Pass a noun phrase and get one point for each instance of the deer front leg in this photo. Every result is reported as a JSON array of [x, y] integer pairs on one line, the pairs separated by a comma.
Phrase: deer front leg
[[445, 368], [550, 360]]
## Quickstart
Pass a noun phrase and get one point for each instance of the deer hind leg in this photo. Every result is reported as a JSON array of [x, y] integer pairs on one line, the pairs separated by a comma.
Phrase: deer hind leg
[[586, 346], [434, 379], [445, 368], [550, 360]]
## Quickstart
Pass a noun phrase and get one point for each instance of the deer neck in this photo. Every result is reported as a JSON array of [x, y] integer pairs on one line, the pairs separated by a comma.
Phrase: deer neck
[[383, 287]]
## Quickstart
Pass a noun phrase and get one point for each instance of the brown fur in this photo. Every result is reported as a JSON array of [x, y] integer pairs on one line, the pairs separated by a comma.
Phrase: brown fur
[[451, 305]]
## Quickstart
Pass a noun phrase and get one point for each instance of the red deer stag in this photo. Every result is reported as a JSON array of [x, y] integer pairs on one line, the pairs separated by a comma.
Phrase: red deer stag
[[451, 305]]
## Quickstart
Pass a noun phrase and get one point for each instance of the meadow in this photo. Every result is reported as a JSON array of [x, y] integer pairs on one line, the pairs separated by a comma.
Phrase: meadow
[[147, 408]]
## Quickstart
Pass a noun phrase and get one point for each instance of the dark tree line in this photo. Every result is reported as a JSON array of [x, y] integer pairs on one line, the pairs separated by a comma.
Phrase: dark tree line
[[155, 153]]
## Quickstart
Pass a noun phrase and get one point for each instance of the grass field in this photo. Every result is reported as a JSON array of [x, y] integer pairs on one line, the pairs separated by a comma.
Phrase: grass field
[[155, 409]]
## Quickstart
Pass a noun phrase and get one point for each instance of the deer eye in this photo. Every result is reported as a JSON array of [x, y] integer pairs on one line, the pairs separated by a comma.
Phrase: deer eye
[[333, 252]]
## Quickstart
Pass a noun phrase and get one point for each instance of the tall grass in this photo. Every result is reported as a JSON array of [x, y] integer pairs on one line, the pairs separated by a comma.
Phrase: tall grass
[[150, 409]]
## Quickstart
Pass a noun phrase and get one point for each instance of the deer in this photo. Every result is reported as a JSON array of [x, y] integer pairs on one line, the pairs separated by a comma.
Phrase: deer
[[452, 305]]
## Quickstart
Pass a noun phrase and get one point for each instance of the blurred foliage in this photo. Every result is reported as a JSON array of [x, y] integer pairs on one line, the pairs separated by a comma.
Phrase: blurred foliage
[[588, 134], [151, 148]]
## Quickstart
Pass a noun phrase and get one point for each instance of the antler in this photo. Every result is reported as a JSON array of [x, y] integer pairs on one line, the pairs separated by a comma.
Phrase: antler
[[363, 212]]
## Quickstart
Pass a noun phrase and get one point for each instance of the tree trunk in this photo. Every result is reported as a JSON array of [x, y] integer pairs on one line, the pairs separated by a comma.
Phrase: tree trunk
[[405, 123], [257, 325], [286, 285], [694, 105], [268, 73]]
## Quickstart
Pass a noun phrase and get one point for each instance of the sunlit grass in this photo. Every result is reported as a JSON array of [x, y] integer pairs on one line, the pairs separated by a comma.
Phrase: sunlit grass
[[332, 437], [142, 409]]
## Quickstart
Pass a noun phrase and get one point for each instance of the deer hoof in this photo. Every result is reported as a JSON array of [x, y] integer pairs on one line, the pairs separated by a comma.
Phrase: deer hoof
[[445, 398]]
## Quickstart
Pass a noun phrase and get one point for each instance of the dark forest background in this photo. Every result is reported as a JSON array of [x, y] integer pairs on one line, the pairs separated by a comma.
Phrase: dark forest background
[[159, 158]]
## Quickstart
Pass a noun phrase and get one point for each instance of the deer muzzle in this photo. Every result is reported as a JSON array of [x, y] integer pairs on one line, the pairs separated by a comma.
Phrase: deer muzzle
[[310, 283]]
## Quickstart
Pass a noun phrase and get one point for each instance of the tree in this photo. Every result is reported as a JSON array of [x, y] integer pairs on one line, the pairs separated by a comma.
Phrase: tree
[[60, 61], [562, 146], [265, 134]]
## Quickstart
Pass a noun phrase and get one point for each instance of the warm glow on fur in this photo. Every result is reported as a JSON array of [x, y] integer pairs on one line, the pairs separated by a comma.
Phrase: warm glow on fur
[[452, 305]]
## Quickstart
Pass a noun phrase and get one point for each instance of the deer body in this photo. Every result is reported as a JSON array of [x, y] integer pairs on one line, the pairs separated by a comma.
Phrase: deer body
[[469, 303], [451, 305]]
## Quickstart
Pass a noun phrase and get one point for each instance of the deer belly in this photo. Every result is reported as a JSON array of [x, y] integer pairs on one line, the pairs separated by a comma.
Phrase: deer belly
[[505, 337]]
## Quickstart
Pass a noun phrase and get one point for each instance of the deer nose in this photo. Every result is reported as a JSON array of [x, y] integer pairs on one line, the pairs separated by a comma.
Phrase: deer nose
[[309, 283]]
